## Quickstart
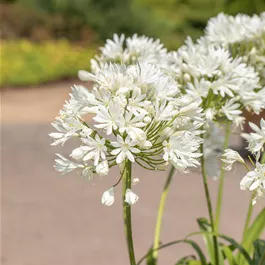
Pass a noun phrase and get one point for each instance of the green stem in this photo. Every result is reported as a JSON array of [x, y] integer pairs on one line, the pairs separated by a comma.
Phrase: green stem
[[127, 179], [160, 213], [221, 181], [262, 160], [248, 218], [262, 260], [209, 207]]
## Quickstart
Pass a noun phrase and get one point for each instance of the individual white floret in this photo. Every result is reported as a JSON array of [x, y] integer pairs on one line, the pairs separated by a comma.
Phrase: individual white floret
[[230, 157], [254, 181], [256, 139]]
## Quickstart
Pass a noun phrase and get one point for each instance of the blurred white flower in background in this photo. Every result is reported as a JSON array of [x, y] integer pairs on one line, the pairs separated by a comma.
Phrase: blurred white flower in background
[[243, 35]]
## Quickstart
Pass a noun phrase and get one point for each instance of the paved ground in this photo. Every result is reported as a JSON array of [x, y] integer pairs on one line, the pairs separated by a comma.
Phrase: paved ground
[[52, 220]]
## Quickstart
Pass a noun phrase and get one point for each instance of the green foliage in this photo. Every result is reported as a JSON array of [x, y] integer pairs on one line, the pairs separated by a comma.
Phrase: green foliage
[[186, 260], [229, 251], [259, 250], [20, 21], [26, 63], [189, 17], [170, 20], [106, 17], [253, 233]]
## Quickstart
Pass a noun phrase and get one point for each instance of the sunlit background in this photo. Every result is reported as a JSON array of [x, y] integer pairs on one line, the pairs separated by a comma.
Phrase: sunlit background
[[53, 220], [65, 34]]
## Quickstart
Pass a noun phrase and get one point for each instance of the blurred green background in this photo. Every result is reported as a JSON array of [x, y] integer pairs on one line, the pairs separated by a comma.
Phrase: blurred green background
[[45, 40]]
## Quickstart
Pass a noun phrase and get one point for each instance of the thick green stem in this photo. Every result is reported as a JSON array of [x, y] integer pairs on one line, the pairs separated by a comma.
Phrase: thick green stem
[[209, 207], [160, 213], [248, 218], [127, 179], [221, 181]]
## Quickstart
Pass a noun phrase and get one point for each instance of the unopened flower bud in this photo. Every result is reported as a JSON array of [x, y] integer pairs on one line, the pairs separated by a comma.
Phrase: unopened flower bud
[[102, 168], [131, 197], [108, 197], [186, 77]]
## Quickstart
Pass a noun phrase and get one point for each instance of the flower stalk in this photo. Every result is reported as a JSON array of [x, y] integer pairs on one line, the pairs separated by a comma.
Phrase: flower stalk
[[209, 207], [221, 180], [127, 179], [160, 214], [248, 218]]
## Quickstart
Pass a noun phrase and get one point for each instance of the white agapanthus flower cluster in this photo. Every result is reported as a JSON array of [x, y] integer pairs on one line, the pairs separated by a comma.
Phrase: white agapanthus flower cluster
[[148, 106], [224, 29], [139, 115], [129, 51], [243, 35], [223, 85]]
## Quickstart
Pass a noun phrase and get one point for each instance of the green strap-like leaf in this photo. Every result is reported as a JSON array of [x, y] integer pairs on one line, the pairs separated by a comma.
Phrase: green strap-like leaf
[[208, 237], [253, 233], [259, 250], [192, 243], [228, 254], [240, 248], [234, 245], [150, 259], [185, 260]]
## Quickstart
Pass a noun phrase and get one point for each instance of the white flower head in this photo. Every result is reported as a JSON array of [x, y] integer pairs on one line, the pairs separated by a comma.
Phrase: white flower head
[[108, 197], [128, 51], [243, 35], [134, 109], [222, 84], [131, 197], [225, 29]]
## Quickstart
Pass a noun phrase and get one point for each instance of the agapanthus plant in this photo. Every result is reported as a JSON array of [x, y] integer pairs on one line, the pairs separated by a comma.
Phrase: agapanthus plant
[[157, 108], [139, 116]]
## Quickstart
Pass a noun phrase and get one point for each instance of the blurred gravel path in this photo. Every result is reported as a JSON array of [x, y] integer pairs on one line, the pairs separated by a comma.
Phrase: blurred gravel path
[[52, 220]]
